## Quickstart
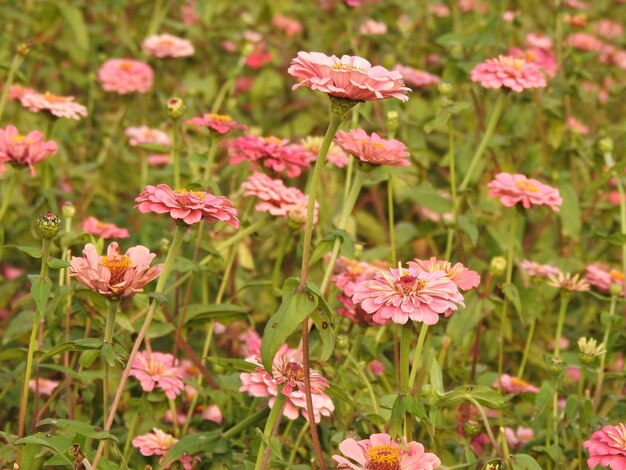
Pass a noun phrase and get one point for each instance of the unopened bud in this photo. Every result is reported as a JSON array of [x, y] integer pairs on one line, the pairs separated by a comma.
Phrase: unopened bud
[[556, 365], [444, 88], [616, 289], [393, 122], [497, 267], [606, 145], [165, 244], [175, 108], [48, 225], [68, 210], [23, 49], [590, 349], [342, 343], [296, 217], [471, 428], [492, 466]]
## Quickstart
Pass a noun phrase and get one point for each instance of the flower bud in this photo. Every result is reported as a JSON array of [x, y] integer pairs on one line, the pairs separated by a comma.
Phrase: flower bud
[[175, 108], [23, 49], [68, 210], [48, 225], [616, 289], [606, 145], [590, 349], [471, 428], [340, 106], [556, 365], [392, 122], [497, 267], [165, 244], [296, 217], [342, 343], [444, 88], [492, 466]]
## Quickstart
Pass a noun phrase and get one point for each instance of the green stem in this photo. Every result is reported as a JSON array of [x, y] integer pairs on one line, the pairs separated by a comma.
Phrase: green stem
[[452, 163], [242, 425], [278, 262], [359, 370], [131, 433], [392, 224], [175, 151], [8, 194], [277, 411], [110, 321], [174, 413], [210, 161], [112, 306], [15, 65], [405, 350], [581, 388], [607, 335], [505, 302], [529, 340], [418, 354], [483, 416], [565, 296], [491, 127], [622, 218]]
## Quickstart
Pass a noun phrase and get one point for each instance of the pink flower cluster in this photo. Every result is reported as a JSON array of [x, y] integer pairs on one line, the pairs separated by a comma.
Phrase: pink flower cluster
[[155, 369], [124, 76], [373, 149], [607, 447], [59, 106], [24, 150], [515, 188], [167, 45], [146, 135], [416, 78], [93, 226], [510, 72], [270, 152]]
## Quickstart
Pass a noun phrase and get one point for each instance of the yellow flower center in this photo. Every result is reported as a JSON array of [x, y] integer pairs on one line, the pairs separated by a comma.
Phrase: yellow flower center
[[54, 98], [221, 117], [527, 186], [184, 192], [272, 140], [18, 139], [384, 457], [126, 66], [517, 64], [118, 265], [346, 67], [531, 56], [519, 382], [617, 276]]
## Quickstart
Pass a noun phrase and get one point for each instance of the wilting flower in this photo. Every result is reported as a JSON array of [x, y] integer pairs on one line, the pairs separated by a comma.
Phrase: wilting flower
[[335, 155], [512, 384], [270, 152], [219, 123], [124, 76], [167, 45], [155, 369], [287, 371], [538, 269], [350, 77], [43, 386], [372, 148], [416, 78], [146, 135], [289, 26], [568, 282], [403, 294], [602, 278], [24, 150], [373, 27], [187, 206], [59, 106], [115, 275], [348, 274], [380, 452], [515, 188], [464, 278], [542, 58], [607, 447], [159, 443], [584, 42], [93, 226], [509, 72], [517, 438]]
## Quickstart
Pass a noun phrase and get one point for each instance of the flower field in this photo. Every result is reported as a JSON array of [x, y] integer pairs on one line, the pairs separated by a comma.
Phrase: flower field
[[327, 234]]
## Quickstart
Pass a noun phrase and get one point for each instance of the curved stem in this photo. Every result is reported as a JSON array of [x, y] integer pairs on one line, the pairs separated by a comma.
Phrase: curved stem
[[418, 354], [8, 193], [275, 414], [483, 416], [529, 340], [15, 65]]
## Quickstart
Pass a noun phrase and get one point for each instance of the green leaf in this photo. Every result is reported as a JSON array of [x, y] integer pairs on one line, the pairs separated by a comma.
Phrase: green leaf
[[233, 363], [56, 263], [488, 397], [82, 344], [84, 429], [159, 329], [31, 251], [326, 244], [427, 196], [512, 295], [294, 309], [202, 312], [106, 353], [9, 437], [524, 462], [40, 290], [12, 353], [191, 444], [436, 376], [154, 148], [76, 21], [570, 210], [56, 444], [276, 447], [87, 358], [469, 228], [159, 297], [323, 319], [405, 404]]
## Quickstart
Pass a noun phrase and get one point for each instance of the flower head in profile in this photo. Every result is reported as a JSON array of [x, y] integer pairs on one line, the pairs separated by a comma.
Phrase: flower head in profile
[[602, 278], [590, 349], [219, 123], [270, 152], [288, 378], [147, 135], [115, 275], [59, 106], [515, 188], [43, 386], [373, 149], [159, 443], [289, 26], [381, 452], [517, 438], [155, 369], [510, 72], [537, 269], [123, 76], [335, 155], [464, 278], [24, 150], [187, 206], [568, 282], [512, 384], [607, 447], [349, 77], [167, 45], [416, 78], [93, 226], [403, 294]]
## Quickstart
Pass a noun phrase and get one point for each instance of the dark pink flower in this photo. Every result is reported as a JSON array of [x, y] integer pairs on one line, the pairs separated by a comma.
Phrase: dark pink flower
[[464, 278], [416, 78], [607, 447], [100, 229], [509, 72], [24, 150], [515, 188], [512, 384], [372, 148], [270, 152], [218, 123], [124, 76], [155, 369]]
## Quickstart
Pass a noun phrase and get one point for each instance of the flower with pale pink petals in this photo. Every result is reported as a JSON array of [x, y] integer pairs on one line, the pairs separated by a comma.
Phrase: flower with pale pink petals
[[373, 149], [213, 413], [188, 12], [187, 206], [510, 72], [517, 438], [159, 159], [416, 78], [147, 135], [602, 278], [93, 226], [349, 77], [59, 106], [17, 91], [440, 10], [607, 447], [218, 123], [289, 26], [543, 58], [159, 443], [167, 45], [473, 5], [538, 40], [609, 29], [509, 16], [155, 369], [124, 76], [464, 278], [577, 4], [512, 384], [335, 155], [373, 28], [380, 451], [270, 152], [515, 188], [250, 342], [43, 386], [576, 126], [584, 42], [24, 150], [347, 275], [115, 275], [402, 294], [537, 269]]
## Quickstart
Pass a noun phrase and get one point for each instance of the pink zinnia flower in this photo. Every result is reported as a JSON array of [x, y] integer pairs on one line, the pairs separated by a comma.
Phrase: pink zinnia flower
[[464, 278], [416, 78], [124, 76], [517, 438], [543, 58], [100, 229], [270, 152], [167, 45], [287, 371], [382, 452], [188, 206], [509, 16], [376, 367], [146, 135], [9, 272], [59, 106], [17, 91], [537, 269], [350, 77], [512, 384], [251, 342], [188, 12], [602, 278], [160, 370], [515, 188], [506, 71], [24, 150], [609, 29], [584, 42], [43, 386], [115, 275], [213, 413], [538, 40], [372, 148], [440, 10], [403, 294], [159, 443], [473, 5], [607, 447], [158, 159], [577, 4], [219, 123], [289, 26], [348, 274], [335, 155], [576, 126], [373, 27], [259, 57]]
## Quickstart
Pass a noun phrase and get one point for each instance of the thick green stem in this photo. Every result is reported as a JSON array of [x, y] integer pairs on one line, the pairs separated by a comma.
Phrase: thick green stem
[[275, 414], [112, 306], [110, 321], [14, 67], [175, 151], [405, 350], [392, 223], [210, 161], [452, 164], [507, 282], [565, 296], [278, 262], [418, 354], [8, 193], [607, 336], [529, 340]]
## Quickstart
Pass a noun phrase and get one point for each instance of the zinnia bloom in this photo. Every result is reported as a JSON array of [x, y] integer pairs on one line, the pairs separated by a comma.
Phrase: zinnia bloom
[[289, 26], [543, 58], [43, 386], [568, 282], [512, 384], [24, 150], [348, 274], [380, 452], [537, 269], [609, 29], [158, 159], [287, 371], [115, 275], [335, 155], [584, 42], [515, 188], [464, 278], [607, 447], [517, 438], [160, 370], [372, 148], [100, 229], [146, 135], [59, 106], [124, 76], [373, 27], [159, 443], [270, 152], [350, 77], [602, 278], [506, 71], [188, 206], [416, 78], [219, 123], [538, 40], [403, 294], [167, 45]]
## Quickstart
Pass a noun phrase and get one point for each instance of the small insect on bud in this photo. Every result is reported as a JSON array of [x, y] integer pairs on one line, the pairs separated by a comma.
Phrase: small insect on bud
[[48, 225], [175, 108], [444, 88], [606, 145], [472, 428], [393, 122], [23, 49], [68, 210], [497, 267]]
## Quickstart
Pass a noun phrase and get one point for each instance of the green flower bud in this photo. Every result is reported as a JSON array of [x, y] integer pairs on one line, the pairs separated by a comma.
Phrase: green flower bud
[[556, 365], [497, 266], [23, 49], [393, 122], [445, 88], [616, 289], [48, 225], [68, 210], [606, 145], [342, 343], [175, 108], [472, 428]]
